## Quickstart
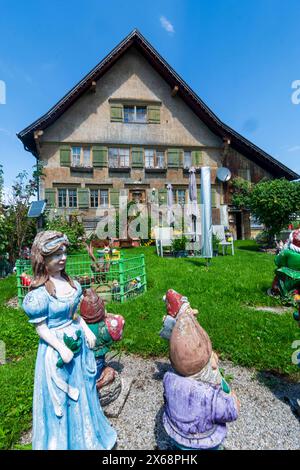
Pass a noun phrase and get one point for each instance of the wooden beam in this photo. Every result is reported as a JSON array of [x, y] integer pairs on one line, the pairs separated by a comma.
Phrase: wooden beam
[[175, 91], [226, 140], [38, 134], [93, 86]]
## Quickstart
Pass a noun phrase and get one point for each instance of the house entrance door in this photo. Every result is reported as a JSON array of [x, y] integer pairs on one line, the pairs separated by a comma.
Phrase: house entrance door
[[137, 195]]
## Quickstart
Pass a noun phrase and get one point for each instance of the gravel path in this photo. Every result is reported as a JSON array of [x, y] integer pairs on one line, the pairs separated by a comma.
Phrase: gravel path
[[266, 421]]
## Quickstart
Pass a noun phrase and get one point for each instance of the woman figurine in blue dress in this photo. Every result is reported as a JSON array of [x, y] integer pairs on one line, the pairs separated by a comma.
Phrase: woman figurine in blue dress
[[66, 409]]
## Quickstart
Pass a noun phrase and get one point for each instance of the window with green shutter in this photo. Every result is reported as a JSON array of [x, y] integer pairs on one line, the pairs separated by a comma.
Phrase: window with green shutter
[[213, 197], [83, 198], [197, 159], [114, 197], [137, 157], [162, 196], [65, 155], [99, 156], [116, 112], [50, 195], [174, 158], [153, 114]]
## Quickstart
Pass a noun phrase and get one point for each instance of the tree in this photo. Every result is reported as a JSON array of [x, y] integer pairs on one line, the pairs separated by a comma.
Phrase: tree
[[20, 229], [274, 203], [74, 231]]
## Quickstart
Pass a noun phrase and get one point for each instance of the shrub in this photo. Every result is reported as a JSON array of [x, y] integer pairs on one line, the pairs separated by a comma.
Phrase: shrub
[[74, 231]]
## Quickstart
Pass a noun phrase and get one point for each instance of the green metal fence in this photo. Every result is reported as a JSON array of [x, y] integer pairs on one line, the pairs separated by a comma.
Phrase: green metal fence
[[114, 280]]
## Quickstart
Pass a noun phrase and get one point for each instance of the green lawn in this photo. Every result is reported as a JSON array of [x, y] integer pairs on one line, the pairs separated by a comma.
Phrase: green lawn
[[222, 294]]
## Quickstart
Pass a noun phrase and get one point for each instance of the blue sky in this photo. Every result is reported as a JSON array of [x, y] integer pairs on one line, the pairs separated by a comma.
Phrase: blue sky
[[240, 57]]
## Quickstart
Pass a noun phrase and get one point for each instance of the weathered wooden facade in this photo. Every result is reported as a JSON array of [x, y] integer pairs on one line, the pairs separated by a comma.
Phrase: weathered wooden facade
[[131, 126]]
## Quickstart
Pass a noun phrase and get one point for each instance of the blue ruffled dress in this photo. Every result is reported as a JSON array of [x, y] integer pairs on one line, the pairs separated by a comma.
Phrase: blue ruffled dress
[[66, 409]]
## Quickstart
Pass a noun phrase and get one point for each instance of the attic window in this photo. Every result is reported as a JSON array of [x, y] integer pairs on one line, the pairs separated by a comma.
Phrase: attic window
[[135, 114]]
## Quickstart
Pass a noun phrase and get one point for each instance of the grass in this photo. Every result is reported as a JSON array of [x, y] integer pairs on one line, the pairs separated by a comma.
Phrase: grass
[[222, 293]]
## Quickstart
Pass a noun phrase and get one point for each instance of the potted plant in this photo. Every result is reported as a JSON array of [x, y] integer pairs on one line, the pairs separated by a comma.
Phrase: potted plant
[[179, 247], [215, 244]]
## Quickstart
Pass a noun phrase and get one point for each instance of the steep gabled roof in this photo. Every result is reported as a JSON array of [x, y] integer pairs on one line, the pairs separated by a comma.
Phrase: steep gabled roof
[[136, 39]]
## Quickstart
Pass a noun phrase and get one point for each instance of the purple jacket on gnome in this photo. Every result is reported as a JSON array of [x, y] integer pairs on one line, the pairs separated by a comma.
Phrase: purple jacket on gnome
[[198, 401], [196, 413]]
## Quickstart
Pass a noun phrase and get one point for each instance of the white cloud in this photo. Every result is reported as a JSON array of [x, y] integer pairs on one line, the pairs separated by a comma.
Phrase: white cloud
[[167, 25], [5, 131], [294, 149], [7, 195]]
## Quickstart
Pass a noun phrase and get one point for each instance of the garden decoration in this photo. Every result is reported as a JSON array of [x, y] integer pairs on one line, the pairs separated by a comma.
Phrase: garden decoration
[[100, 268], [66, 409], [107, 328], [287, 273], [198, 400]]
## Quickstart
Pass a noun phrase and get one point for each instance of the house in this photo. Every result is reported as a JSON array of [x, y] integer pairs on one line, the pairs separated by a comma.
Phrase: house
[[130, 127]]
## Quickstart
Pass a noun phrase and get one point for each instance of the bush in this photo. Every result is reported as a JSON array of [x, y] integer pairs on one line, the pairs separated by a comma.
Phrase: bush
[[74, 231], [179, 244]]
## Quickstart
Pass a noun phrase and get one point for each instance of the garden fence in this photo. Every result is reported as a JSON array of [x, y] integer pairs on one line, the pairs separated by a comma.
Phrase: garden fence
[[114, 280]]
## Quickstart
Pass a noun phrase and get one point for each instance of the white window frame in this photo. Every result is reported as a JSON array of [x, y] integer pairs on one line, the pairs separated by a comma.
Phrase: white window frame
[[135, 114], [118, 157], [67, 198], [154, 157], [81, 161], [179, 199], [187, 155]]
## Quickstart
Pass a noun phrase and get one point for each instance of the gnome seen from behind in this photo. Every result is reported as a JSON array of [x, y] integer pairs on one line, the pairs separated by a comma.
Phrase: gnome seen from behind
[[198, 401], [106, 327]]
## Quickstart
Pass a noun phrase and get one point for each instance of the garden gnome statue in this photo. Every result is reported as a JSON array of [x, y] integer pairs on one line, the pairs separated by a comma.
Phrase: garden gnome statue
[[198, 401], [66, 409], [107, 328], [287, 274]]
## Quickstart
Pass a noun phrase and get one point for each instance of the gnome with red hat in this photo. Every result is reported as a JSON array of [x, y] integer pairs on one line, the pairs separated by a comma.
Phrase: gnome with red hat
[[106, 327], [287, 278], [198, 401]]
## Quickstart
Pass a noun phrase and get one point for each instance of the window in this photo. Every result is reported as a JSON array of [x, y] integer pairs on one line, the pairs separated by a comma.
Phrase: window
[[62, 198], [180, 196], [187, 161], [81, 156], [104, 197], [76, 156], [67, 197], [149, 158], [135, 114], [72, 197], [94, 197], [154, 158], [245, 174], [118, 157]]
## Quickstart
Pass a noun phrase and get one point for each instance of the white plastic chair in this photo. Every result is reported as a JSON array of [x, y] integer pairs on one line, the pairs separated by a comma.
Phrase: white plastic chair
[[163, 237], [219, 231]]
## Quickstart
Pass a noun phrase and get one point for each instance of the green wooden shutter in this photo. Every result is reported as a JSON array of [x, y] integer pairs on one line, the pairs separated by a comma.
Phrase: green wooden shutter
[[197, 158], [213, 197], [137, 155], [173, 158], [50, 195], [199, 195], [83, 198], [99, 156], [153, 114], [65, 155], [116, 112], [114, 197], [162, 196]]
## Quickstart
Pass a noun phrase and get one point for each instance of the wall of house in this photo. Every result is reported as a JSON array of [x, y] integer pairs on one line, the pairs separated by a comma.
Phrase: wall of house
[[88, 122]]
